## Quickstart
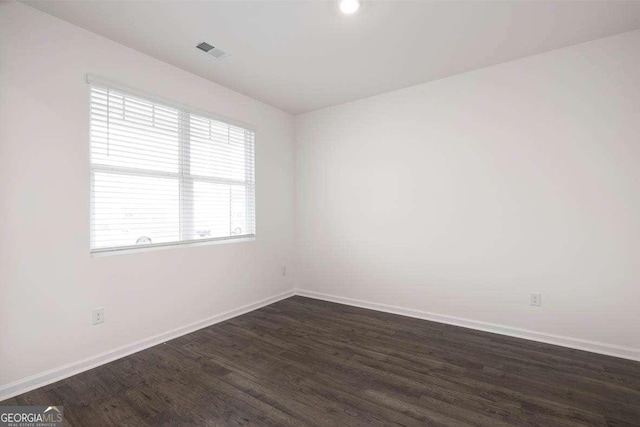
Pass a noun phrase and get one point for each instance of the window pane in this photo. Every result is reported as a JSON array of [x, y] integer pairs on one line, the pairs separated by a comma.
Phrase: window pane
[[130, 132], [219, 210], [130, 210], [239, 210], [217, 149]]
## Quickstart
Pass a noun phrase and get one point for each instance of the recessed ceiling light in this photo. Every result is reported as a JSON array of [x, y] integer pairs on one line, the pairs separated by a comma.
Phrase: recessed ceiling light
[[349, 7]]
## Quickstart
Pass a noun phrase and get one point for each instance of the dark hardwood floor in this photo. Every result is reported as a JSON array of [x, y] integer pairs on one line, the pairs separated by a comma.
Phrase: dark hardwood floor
[[307, 362]]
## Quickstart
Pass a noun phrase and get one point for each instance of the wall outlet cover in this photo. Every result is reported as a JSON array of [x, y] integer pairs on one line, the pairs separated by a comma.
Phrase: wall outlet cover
[[97, 316], [536, 299]]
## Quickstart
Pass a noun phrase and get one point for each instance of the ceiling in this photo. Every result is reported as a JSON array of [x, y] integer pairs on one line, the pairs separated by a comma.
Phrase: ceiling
[[300, 56]]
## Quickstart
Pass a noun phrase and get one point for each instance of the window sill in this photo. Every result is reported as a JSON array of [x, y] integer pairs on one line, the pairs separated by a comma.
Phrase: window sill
[[163, 246]]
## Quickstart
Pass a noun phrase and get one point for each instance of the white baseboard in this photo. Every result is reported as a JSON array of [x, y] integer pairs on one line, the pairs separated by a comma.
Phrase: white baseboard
[[576, 343], [44, 378], [39, 380]]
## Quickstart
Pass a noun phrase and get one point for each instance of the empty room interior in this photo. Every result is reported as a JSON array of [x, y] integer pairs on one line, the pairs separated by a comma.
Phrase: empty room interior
[[322, 213]]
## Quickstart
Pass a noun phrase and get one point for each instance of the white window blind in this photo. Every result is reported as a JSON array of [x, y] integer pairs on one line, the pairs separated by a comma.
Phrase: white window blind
[[162, 174]]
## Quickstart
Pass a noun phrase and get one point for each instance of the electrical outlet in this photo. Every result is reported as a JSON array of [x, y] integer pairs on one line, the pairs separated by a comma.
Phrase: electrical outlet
[[284, 271], [97, 315], [536, 299]]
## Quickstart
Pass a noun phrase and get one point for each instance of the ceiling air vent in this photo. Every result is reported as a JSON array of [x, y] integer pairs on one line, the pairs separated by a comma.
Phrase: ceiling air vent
[[212, 50]]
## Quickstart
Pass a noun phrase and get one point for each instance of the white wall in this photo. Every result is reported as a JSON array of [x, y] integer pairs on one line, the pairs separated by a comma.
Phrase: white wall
[[462, 196], [48, 281]]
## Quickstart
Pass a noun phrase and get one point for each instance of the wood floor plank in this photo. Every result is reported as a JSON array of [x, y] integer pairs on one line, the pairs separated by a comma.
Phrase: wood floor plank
[[308, 362]]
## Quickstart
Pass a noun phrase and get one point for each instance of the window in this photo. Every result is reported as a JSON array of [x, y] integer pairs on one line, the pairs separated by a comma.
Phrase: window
[[162, 174]]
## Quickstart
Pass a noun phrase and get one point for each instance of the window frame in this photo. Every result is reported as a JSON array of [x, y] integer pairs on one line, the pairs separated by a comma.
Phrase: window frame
[[183, 179]]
